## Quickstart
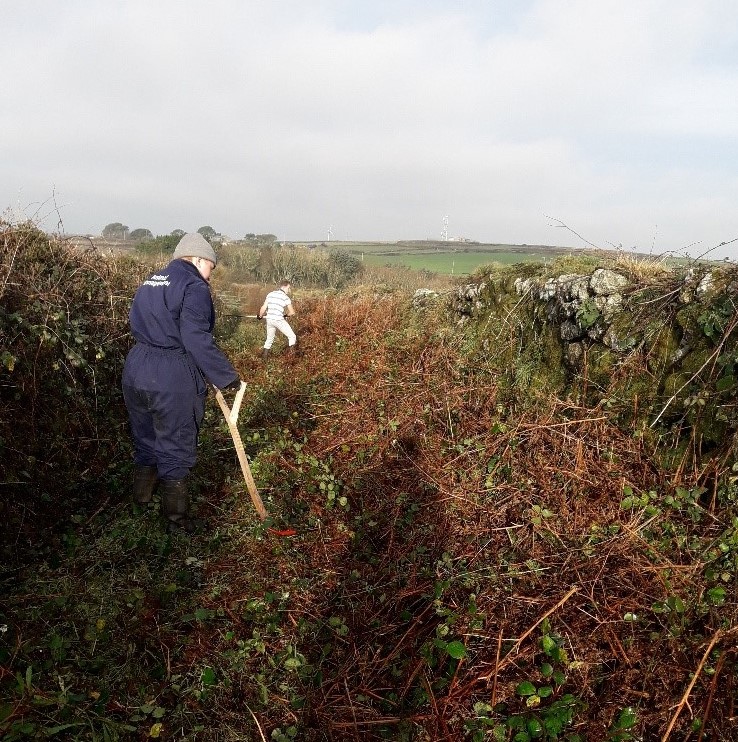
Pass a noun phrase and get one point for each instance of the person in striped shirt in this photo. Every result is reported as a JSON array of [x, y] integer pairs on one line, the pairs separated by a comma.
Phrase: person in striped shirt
[[275, 308]]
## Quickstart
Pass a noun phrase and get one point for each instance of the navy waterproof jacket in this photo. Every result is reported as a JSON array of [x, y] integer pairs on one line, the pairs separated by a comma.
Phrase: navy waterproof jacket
[[173, 312]]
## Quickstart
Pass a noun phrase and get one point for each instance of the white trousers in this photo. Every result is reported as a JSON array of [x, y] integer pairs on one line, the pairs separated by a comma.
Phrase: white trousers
[[283, 326]]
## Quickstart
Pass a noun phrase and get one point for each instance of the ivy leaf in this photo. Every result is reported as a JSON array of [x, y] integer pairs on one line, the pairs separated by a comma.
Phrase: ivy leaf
[[535, 728], [208, 676], [548, 644], [51, 731], [526, 688], [723, 384], [627, 718], [716, 595], [8, 360], [456, 649]]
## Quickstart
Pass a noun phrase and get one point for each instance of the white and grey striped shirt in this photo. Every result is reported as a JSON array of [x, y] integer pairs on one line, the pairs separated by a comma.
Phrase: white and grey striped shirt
[[277, 301]]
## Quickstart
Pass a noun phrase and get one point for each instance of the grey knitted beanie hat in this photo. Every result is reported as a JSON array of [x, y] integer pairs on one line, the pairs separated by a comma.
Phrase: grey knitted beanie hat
[[194, 245]]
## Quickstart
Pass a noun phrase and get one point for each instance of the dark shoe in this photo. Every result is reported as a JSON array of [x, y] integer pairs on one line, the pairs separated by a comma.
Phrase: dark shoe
[[188, 526], [292, 351], [144, 481], [175, 502], [264, 354]]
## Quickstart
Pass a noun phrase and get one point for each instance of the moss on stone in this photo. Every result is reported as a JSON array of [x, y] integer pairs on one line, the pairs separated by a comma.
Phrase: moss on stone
[[687, 319], [698, 360], [663, 340], [550, 374], [633, 398], [712, 426], [670, 457], [624, 333], [676, 383], [580, 264]]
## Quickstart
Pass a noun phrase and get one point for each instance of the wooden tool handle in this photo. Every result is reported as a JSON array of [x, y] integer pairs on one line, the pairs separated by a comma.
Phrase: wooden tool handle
[[231, 416]]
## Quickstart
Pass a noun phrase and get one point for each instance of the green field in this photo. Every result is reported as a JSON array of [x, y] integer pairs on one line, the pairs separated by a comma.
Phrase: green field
[[461, 263], [446, 258]]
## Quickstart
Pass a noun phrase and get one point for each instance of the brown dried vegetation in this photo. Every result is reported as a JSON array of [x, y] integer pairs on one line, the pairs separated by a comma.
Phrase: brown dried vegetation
[[474, 520], [485, 541]]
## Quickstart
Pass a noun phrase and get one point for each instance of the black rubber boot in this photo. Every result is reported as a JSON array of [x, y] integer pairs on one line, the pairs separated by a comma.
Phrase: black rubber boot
[[144, 481], [175, 501]]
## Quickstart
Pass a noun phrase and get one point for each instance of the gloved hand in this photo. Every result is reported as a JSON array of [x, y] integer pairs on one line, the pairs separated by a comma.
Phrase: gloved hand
[[234, 386]]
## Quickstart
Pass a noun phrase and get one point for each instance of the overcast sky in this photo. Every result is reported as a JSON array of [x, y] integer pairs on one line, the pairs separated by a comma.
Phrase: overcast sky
[[618, 118]]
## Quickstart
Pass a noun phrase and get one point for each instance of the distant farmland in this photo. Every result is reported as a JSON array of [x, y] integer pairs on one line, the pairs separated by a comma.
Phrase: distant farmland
[[451, 258], [454, 263]]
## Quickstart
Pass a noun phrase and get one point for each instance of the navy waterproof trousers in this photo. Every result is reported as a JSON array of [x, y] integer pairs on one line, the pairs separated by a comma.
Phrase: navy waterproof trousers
[[165, 418]]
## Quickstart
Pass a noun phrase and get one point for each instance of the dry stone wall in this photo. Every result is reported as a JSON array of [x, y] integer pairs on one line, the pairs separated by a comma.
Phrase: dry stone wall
[[658, 353]]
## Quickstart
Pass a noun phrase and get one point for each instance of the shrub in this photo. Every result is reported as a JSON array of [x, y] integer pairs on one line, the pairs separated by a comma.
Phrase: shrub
[[63, 334]]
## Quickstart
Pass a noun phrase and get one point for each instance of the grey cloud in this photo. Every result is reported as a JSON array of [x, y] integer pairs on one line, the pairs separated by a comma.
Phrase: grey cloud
[[377, 118]]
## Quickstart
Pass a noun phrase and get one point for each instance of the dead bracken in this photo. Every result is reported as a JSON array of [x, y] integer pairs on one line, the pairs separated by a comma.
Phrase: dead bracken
[[476, 555]]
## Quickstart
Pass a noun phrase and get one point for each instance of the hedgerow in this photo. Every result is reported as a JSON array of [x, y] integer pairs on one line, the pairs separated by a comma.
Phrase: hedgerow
[[63, 336]]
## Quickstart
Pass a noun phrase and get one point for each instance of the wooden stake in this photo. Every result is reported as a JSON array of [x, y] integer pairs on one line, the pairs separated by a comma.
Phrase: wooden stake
[[231, 416]]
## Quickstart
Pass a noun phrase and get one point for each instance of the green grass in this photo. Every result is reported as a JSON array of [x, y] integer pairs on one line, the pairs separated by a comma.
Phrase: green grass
[[445, 258], [450, 263]]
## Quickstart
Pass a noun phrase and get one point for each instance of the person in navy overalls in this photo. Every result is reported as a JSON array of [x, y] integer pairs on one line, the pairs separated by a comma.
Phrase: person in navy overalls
[[166, 374]]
